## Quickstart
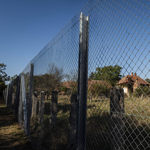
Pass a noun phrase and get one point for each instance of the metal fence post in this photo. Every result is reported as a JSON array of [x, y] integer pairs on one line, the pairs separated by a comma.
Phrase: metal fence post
[[116, 117], [82, 82], [53, 118]]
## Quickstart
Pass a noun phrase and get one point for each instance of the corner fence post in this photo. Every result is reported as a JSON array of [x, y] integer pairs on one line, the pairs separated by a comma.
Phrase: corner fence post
[[117, 126], [82, 82]]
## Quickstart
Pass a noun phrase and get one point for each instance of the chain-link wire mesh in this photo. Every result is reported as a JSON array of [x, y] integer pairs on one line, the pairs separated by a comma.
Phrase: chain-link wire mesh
[[118, 114], [56, 75], [89, 87]]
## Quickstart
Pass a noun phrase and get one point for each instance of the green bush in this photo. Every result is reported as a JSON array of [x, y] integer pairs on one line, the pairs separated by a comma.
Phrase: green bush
[[63, 88], [142, 90], [97, 89]]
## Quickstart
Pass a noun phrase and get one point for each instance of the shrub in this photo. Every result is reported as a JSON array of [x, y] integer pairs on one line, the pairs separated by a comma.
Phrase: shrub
[[142, 90], [96, 89]]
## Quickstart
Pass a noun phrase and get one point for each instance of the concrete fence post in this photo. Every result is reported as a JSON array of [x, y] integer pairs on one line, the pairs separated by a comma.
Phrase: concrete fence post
[[29, 99], [17, 97], [7, 95], [53, 117], [13, 102], [10, 97], [117, 118], [72, 135], [90, 97], [82, 82], [41, 107], [34, 105], [20, 108]]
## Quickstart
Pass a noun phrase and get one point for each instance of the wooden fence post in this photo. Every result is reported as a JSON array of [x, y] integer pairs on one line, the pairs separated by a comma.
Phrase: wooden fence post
[[117, 118]]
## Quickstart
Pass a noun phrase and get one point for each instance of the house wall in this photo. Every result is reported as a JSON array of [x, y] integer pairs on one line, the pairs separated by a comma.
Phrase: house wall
[[125, 89]]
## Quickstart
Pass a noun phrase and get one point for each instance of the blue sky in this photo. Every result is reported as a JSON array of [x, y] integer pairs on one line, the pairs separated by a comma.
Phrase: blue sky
[[118, 34], [26, 26]]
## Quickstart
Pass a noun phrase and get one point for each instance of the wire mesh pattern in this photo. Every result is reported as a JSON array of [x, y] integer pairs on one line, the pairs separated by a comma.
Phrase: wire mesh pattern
[[63, 103]]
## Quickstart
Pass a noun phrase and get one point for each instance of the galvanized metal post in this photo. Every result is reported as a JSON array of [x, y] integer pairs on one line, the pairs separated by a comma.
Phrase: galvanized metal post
[[82, 82]]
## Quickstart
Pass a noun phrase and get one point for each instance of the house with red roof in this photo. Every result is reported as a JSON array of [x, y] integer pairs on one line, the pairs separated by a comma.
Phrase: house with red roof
[[131, 82]]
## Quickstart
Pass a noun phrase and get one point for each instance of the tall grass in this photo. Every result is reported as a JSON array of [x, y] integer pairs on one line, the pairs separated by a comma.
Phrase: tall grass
[[136, 120]]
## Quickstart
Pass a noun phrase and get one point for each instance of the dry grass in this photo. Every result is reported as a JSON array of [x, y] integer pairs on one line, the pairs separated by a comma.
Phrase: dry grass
[[11, 135], [137, 124], [136, 120]]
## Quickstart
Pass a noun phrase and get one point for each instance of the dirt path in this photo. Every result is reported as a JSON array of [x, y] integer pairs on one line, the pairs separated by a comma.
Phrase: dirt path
[[11, 135]]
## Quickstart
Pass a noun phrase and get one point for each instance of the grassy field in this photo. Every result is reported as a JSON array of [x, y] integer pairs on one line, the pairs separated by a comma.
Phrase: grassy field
[[136, 120], [11, 135], [136, 124]]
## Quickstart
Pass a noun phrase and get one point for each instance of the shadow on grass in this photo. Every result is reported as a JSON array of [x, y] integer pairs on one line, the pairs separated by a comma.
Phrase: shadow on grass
[[11, 135], [137, 133], [99, 133]]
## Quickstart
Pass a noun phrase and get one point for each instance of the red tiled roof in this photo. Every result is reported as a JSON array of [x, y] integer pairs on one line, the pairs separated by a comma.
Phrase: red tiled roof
[[68, 84], [129, 79]]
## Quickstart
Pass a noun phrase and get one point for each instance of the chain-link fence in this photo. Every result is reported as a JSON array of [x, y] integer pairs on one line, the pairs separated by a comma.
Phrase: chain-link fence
[[89, 88]]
